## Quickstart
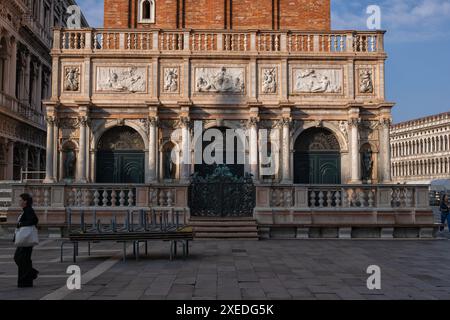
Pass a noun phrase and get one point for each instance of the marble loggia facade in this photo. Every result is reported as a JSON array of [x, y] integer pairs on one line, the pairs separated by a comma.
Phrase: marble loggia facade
[[124, 102]]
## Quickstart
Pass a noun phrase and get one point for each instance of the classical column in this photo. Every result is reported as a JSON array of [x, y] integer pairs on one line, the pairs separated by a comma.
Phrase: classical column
[[37, 163], [49, 177], [81, 167], [355, 155], [186, 149], [10, 163], [253, 150], [386, 150], [286, 150], [153, 150]]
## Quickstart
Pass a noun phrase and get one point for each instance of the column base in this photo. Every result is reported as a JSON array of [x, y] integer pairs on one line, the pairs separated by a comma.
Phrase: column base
[[48, 180], [355, 182]]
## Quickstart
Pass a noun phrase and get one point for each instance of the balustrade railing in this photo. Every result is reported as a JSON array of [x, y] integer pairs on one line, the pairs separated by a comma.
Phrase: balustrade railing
[[220, 41], [348, 196], [92, 196]]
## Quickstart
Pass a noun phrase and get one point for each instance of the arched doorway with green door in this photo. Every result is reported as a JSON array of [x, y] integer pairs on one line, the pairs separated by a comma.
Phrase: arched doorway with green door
[[317, 157], [120, 156]]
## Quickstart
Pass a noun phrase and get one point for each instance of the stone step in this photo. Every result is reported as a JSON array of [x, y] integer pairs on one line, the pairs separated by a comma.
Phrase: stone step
[[222, 223], [220, 235], [227, 239], [226, 229]]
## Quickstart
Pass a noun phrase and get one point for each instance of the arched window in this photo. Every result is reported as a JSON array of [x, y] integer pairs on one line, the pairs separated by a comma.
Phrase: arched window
[[147, 11]]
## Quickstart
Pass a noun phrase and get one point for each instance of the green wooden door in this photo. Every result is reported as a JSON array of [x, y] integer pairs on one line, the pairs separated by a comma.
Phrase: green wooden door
[[120, 167], [317, 168]]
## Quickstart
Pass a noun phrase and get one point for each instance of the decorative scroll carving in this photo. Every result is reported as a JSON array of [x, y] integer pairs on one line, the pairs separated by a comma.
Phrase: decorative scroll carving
[[220, 80], [269, 84], [171, 80], [343, 126], [121, 79], [72, 78], [318, 81], [365, 81]]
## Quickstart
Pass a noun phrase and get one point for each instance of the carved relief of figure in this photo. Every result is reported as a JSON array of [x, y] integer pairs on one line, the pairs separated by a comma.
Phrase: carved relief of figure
[[366, 83], [269, 81], [72, 79], [117, 79], [322, 81], [225, 80], [367, 165], [171, 80]]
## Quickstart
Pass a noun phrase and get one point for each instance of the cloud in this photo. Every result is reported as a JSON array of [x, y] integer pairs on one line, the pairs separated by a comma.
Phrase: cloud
[[405, 20]]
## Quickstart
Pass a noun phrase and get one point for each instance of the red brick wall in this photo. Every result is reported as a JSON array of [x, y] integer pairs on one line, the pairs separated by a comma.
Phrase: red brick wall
[[305, 14], [250, 14], [215, 14]]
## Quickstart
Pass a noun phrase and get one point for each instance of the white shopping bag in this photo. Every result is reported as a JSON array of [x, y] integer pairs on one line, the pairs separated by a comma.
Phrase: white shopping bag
[[26, 237]]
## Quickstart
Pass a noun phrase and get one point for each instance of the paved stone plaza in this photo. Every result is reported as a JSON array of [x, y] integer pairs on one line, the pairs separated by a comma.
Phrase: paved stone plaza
[[278, 269]]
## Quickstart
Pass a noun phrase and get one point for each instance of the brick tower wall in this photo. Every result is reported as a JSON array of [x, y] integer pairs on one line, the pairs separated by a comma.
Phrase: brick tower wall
[[305, 15]]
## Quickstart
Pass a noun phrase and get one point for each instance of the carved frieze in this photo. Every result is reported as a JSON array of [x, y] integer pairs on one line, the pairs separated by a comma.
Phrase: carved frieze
[[121, 79], [220, 80], [317, 81]]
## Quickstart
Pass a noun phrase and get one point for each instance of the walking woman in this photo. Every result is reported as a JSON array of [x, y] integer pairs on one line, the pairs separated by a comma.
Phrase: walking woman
[[445, 214], [22, 257]]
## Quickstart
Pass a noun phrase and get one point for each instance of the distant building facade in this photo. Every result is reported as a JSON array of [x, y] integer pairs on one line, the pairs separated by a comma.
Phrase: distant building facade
[[421, 149], [25, 80]]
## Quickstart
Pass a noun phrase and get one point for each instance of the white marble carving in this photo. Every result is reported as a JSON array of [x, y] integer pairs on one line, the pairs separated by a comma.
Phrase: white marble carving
[[220, 80], [317, 81], [171, 80], [72, 79], [121, 79], [365, 81], [269, 84]]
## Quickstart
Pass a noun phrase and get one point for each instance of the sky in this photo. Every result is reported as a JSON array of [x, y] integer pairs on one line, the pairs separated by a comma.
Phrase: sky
[[417, 43]]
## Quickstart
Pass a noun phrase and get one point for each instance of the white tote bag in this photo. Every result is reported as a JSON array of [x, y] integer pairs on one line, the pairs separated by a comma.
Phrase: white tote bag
[[26, 237]]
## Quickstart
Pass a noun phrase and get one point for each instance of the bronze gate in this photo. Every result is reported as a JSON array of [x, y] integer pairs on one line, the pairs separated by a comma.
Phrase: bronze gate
[[222, 194]]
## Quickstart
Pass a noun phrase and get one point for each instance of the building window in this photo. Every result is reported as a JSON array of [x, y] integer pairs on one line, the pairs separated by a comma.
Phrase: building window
[[147, 11]]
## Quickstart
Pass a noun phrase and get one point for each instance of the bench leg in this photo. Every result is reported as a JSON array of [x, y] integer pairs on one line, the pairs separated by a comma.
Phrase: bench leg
[[187, 248], [62, 251], [89, 248], [74, 252], [137, 250], [146, 248], [175, 248], [124, 251], [171, 249], [184, 249]]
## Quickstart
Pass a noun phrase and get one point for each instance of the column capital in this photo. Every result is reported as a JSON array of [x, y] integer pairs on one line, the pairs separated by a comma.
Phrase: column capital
[[385, 123], [354, 122]]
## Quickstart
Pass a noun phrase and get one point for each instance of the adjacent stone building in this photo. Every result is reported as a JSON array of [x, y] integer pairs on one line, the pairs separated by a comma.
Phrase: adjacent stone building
[[133, 103], [421, 149], [25, 80]]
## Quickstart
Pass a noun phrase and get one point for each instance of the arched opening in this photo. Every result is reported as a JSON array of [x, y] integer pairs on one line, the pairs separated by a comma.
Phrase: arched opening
[[213, 149], [147, 11], [317, 158], [121, 156]]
